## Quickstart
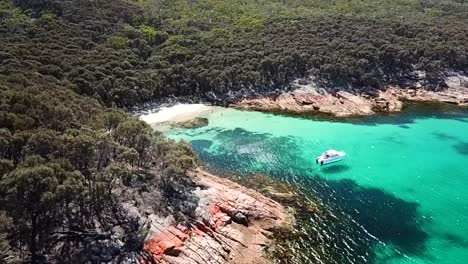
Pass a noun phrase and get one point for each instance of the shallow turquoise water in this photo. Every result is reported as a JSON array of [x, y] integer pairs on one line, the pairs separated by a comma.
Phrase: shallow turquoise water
[[401, 195]]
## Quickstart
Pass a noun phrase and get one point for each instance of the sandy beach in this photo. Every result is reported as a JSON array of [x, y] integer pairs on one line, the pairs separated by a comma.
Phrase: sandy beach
[[163, 118]]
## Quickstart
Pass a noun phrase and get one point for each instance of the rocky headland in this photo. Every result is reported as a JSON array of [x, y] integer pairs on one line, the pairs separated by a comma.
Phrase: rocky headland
[[347, 104], [230, 225]]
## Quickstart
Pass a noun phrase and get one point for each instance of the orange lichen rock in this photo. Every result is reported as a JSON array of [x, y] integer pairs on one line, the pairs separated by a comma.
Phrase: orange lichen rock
[[168, 243], [220, 218], [179, 234], [227, 207], [153, 248]]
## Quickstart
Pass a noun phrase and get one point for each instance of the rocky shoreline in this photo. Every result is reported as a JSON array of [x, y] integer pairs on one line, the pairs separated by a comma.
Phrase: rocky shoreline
[[346, 104], [231, 222], [231, 226]]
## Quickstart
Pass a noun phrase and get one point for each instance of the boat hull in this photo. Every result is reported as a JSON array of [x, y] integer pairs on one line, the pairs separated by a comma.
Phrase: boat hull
[[328, 161], [330, 156]]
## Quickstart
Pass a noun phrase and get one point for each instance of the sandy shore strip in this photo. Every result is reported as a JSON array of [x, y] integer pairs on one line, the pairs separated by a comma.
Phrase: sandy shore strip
[[178, 112]]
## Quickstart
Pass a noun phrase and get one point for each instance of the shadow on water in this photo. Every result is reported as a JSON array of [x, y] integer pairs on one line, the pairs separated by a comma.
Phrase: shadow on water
[[384, 215], [240, 133], [354, 218], [335, 168], [444, 136], [456, 240], [201, 144], [411, 112], [362, 218], [394, 139], [461, 147]]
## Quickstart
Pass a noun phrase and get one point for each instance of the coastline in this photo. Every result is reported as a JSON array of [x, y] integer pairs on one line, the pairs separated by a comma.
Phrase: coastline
[[311, 101], [345, 104], [232, 222]]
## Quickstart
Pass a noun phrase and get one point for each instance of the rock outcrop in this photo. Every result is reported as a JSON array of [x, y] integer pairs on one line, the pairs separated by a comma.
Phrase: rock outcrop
[[345, 104], [229, 226], [456, 96], [341, 104]]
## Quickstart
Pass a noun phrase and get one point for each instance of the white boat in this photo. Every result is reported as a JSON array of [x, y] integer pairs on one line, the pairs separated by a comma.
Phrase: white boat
[[330, 156]]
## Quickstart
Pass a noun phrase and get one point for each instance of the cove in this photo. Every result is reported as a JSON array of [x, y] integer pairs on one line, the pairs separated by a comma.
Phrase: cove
[[401, 195]]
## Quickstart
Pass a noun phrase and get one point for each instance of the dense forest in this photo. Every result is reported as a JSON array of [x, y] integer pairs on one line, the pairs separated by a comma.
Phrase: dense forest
[[68, 66], [65, 157], [132, 52]]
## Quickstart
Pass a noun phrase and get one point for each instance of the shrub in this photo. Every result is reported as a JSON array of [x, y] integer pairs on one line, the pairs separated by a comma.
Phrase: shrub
[[118, 42]]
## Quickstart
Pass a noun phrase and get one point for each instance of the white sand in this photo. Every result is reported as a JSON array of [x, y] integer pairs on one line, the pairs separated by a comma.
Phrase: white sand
[[178, 112]]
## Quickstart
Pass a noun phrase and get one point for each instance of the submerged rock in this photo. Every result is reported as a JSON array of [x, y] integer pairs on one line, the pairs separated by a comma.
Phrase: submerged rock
[[197, 122], [271, 191]]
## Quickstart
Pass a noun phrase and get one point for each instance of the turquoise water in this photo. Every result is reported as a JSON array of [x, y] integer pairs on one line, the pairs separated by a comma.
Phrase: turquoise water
[[401, 196]]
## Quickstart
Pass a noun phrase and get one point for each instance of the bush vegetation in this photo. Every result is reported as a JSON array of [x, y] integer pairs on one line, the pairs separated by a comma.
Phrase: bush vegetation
[[58, 155], [62, 153], [126, 53]]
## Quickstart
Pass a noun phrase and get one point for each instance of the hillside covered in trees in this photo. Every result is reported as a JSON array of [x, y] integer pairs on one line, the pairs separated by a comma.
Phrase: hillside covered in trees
[[132, 52], [67, 66]]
